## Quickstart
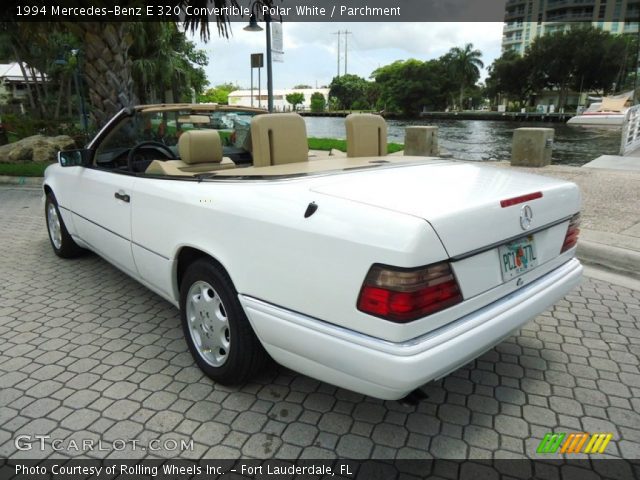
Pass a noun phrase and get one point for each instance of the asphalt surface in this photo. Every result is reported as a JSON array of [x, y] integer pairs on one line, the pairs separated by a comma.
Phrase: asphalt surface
[[86, 353]]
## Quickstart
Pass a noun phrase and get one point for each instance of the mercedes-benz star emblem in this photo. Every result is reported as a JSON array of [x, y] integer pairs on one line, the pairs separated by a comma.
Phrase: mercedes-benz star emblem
[[526, 217]]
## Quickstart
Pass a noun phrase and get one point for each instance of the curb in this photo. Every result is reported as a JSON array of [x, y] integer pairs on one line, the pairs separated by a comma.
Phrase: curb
[[26, 181], [620, 260]]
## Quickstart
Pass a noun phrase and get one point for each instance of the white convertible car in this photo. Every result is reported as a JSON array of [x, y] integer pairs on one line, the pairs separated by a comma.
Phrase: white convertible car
[[374, 273]]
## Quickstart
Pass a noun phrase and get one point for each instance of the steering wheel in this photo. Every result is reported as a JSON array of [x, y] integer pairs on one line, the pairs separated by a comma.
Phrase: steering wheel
[[147, 143]]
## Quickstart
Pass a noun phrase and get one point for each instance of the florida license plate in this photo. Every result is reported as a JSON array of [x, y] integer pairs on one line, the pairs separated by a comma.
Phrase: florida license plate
[[517, 257]]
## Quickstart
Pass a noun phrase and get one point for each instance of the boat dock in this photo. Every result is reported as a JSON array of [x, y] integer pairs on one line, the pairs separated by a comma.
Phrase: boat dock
[[629, 156], [498, 116], [470, 115], [617, 162]]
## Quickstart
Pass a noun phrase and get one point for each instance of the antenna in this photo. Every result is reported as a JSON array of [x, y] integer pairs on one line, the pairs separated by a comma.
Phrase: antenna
[[346, 49], [338, 33]]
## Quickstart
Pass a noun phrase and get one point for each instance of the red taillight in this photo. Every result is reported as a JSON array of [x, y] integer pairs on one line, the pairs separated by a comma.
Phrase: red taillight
[[571, 238], [521, 199], [402, 295]]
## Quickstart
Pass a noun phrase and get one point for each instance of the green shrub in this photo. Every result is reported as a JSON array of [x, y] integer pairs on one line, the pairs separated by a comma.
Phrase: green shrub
[[318, 102]]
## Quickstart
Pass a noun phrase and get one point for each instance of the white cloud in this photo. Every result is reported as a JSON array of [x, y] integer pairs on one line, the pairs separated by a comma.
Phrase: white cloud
[[311, 48]]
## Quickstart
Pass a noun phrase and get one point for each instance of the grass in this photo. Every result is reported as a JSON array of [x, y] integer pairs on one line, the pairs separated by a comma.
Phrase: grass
[[331, 143], [23, 169]]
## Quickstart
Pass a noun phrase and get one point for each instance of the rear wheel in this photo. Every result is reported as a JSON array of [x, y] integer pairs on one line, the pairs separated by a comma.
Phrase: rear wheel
[[215, 326], [61, 241]]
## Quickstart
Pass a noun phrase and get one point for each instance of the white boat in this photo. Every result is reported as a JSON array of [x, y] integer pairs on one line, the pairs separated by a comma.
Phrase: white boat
[[610, 111]]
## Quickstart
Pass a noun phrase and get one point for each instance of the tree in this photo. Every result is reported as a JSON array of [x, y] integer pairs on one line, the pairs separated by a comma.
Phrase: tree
[[46, 63], [219, 94], [302, 87], [295, 99], [408, 86], [164, 60], [601, 60], [465, 64], [581, 59], [348, 89], [551, 58], [511, 75], [318, 102], [107, 64]]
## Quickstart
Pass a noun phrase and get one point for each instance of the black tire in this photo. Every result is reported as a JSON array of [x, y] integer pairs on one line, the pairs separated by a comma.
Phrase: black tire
[[243, 356], [63, 245]]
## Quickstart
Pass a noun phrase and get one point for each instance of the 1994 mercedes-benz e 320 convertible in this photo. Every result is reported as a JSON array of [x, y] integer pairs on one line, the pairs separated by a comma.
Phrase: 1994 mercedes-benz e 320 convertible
[[373, 273]]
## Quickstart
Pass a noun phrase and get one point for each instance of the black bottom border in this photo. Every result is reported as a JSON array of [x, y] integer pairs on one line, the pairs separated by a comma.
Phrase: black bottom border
[[178, 469]]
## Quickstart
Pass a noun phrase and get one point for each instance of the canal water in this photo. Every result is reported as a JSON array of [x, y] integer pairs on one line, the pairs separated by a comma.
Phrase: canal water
[[491, 140]]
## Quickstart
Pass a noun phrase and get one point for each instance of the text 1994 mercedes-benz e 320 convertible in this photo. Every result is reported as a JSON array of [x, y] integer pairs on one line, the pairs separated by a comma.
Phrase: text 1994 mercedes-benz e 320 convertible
[[373, 273]]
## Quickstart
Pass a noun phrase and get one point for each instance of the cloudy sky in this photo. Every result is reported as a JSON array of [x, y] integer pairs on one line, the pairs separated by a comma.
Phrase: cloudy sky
[[311, 49]]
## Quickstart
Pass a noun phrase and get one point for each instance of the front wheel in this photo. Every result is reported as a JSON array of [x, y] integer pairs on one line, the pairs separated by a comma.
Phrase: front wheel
[[61, 241], [215, 326]]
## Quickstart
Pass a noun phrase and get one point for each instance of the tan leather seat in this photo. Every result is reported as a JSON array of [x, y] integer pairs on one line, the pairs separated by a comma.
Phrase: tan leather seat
[[200, 151], [279, 138], [366, 135]]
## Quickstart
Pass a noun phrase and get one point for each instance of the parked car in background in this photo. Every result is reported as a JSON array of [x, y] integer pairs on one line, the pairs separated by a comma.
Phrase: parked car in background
[[376, 274]]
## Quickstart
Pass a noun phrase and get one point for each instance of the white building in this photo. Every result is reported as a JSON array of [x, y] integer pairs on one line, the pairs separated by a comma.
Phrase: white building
[[244, 98], [12, 82]]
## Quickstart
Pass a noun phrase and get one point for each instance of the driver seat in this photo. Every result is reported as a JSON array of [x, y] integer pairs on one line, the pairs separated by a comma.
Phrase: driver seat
[[200, 151]]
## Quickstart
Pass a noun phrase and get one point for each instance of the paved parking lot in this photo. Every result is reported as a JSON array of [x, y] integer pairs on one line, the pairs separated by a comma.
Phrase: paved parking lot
[[88, 354]]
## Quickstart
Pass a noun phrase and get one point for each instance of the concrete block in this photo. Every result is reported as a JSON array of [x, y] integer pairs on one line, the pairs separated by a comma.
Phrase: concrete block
[[421, 141], [532, 147]]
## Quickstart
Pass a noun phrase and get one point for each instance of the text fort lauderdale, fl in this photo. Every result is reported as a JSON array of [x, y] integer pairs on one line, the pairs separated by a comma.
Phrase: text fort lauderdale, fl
[[171, 469]]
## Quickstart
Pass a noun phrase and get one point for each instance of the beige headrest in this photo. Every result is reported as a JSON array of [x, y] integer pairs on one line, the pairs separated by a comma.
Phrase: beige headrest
[[200, 146], [278, 138], [366, 135]]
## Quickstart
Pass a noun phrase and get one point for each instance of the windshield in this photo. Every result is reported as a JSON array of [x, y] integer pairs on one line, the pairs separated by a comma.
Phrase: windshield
[[157, 133]]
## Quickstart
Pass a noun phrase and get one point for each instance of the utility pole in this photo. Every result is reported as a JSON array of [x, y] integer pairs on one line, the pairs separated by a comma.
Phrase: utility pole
[[338, 33], [346, 49]]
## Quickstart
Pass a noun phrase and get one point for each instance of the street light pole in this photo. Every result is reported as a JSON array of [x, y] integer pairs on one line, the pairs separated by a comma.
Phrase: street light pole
[[78, 81], [254, 27], [267, 19]]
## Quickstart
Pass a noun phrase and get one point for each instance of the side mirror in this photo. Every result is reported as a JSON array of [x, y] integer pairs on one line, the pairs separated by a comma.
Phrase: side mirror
[[74, 158]]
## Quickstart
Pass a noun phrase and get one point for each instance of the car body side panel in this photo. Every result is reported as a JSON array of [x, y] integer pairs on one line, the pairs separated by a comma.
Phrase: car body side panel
[[155, 270], [100, 221], [258, 232]]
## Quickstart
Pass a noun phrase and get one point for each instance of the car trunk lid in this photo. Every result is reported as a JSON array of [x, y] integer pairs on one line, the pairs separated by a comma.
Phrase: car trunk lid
[[468, 205]]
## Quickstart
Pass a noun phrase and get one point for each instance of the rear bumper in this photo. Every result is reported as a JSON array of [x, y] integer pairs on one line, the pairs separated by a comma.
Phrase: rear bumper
[[390, 370]]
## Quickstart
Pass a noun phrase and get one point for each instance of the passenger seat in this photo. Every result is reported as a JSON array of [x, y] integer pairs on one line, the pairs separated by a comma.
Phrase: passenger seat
[[279, 138], [366, 135], [200, 151]]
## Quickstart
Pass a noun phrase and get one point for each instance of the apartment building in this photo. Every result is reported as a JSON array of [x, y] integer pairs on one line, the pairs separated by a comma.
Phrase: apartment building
[[527, 19]]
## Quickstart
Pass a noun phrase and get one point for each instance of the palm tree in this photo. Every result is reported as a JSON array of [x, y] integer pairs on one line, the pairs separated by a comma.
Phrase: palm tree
[[163, 59], [106, 63], [465, 64]]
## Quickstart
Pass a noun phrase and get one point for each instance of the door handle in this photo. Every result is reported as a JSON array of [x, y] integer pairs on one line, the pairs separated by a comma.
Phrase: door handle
[[122, 196]]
